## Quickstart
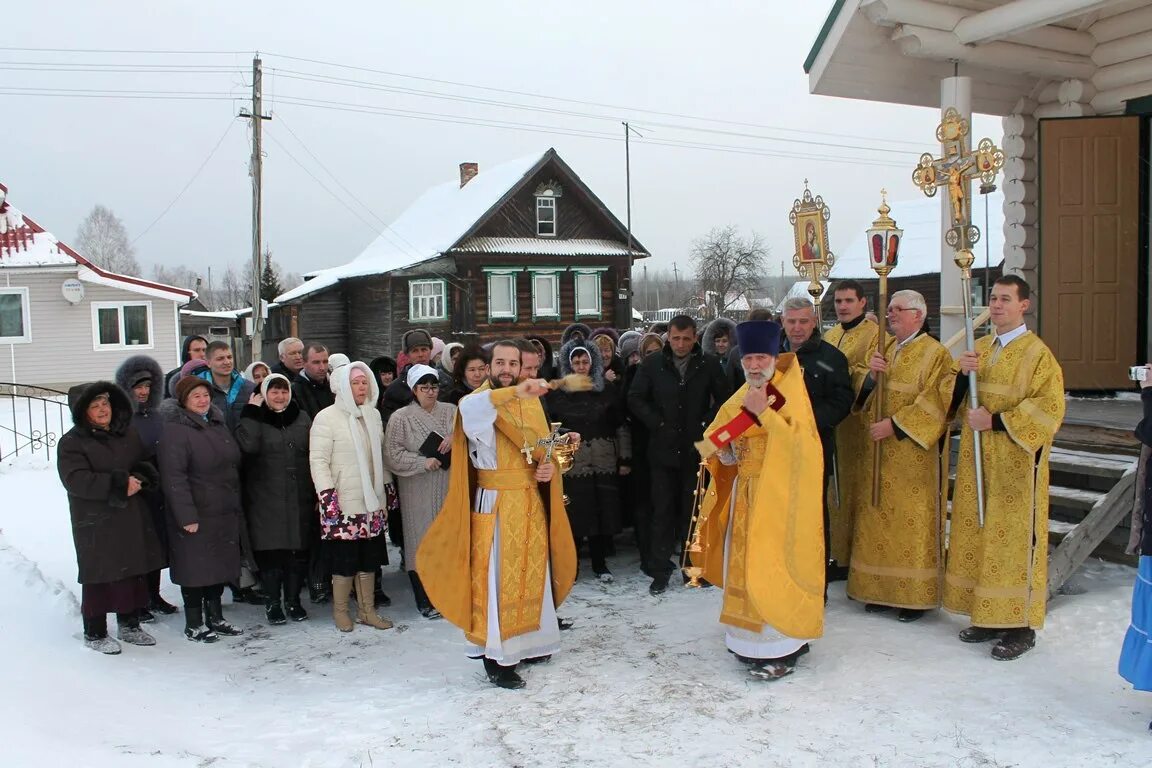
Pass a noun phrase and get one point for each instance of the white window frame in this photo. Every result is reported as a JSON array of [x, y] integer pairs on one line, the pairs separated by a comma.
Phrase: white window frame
[[554, 276], [587, 311], [25, 311], [121, 345], [495, 277], [547, 201], [414, 310]]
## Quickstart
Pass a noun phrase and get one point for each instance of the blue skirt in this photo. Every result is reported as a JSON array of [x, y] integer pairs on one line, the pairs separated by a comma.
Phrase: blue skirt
[[1136, 656]]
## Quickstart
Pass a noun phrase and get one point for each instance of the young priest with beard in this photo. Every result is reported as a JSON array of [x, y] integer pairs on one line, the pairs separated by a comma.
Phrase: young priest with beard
[[499, 572]]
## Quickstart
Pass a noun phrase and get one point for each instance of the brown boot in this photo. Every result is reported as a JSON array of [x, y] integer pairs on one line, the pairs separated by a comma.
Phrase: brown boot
[[341, 589], [365, 608]]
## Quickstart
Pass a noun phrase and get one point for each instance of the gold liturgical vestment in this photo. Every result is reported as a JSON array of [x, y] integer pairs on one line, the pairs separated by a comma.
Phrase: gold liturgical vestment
[[453, 557], [897, 552], [999, 575], [772, 500], [853, 445]]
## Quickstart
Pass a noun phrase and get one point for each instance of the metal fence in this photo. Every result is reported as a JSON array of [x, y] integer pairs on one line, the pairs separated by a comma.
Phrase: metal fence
[[32, 420]]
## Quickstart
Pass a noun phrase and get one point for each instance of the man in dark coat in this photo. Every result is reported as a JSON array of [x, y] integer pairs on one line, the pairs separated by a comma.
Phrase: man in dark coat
[[675, 394], [193, 348], [103, 467], [230, 390], [141, 380], [826, 378], [311, 390], [291, 352]]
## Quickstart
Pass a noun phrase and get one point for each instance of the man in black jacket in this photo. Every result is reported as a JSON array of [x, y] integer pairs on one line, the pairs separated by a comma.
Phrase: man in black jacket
[[675, 394], [826, 378], [311, 390]]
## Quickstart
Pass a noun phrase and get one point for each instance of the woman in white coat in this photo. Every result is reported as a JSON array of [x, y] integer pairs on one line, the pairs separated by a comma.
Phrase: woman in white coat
[[346, 457]]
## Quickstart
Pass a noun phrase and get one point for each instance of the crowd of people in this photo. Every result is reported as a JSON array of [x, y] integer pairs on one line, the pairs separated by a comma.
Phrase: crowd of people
[[299, 473]]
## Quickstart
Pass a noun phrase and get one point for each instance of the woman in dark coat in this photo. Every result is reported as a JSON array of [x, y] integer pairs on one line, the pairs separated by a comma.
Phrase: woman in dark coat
[[142, 380], [592, 484], [200, 471], [279, 499], [469, 372], [102, 467]]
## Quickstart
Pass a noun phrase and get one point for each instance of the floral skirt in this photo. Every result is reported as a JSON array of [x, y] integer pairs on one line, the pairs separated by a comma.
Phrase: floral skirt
[[1136, 655], [347, 558]]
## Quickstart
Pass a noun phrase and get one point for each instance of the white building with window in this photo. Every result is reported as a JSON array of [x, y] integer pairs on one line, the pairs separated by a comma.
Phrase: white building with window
[[64, 320], [524, 247]]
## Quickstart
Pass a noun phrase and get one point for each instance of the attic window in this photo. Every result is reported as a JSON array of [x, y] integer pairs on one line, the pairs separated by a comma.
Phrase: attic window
[[545, 216]]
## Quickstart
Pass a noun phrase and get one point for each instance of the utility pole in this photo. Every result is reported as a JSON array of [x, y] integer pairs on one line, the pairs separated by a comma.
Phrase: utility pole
[[647, 291], [676, 277], [255, 170], [628, 217]]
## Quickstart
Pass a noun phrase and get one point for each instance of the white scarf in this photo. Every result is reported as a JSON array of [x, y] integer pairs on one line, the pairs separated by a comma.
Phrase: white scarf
[[372, 477]]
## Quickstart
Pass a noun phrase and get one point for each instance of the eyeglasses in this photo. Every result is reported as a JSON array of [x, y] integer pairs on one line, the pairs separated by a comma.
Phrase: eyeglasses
[[427, 387], [893, 310]]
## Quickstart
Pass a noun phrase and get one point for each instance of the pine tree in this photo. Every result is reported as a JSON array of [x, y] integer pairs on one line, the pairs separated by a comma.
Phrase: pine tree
[[270, 286]]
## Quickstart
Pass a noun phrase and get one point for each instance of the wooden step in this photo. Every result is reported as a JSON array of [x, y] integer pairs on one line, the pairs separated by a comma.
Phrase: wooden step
[[1073, 498], [1090, 463]]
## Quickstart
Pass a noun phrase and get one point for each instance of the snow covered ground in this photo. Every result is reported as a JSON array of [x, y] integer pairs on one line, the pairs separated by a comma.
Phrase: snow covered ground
[[640, 681]]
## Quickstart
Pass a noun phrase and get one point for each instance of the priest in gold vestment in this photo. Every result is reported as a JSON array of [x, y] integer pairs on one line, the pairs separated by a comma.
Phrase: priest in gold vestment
[[898, 549], [500, 557], [761, 520], [855, 336], [998, 574]]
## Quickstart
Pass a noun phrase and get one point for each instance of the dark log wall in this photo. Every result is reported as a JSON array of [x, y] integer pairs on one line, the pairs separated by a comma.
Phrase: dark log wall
[[323, 319], [576, 216]]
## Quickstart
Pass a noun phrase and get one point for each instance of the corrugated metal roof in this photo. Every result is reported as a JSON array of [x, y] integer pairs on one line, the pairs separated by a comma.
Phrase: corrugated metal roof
[[545, 246]]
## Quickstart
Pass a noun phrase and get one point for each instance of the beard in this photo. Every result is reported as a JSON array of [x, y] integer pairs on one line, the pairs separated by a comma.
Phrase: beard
[[502, 380], [761, 378]]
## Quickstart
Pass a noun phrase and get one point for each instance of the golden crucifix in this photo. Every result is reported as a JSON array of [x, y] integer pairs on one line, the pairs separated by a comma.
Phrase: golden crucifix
[[956, 169], [809, 218]]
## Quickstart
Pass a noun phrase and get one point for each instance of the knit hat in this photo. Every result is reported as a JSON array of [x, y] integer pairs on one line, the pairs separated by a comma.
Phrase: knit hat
[[191, 367], [629, 343], [417, 337], [139, 378], [418, 372], [185, 386]]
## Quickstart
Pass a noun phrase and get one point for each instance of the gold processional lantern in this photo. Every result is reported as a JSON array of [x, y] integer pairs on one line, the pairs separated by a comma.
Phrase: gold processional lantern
[[884, 239], [813, 260], [955, 170]]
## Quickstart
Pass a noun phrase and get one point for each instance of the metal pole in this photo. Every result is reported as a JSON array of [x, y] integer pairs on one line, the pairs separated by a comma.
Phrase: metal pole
[[973, 398], [878, 397]]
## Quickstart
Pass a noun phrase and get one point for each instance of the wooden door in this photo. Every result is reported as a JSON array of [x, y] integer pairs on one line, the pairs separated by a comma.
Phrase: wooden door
[[1089, 248]]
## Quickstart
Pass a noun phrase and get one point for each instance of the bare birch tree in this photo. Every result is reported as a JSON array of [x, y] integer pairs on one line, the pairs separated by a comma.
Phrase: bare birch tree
[[103, 240], [728, 266]]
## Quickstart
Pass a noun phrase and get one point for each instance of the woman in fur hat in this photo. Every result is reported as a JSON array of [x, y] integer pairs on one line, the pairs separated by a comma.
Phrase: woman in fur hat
[[279, 498], [592, 484], [101, 462]]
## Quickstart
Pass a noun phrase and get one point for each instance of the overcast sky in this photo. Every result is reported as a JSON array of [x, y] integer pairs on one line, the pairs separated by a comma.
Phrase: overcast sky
[[738, 62]]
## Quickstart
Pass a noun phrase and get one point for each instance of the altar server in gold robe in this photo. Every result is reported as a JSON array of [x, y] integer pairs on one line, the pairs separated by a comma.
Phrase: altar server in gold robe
[[855, 336], [897, 551], [998, 573], [761, 526], [500, 557]]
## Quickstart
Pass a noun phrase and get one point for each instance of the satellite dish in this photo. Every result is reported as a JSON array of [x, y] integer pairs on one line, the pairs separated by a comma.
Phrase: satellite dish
[[73, 291]]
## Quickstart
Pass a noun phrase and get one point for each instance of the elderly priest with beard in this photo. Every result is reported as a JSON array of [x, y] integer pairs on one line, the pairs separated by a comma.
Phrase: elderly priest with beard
[[760, 528], [500, 557]]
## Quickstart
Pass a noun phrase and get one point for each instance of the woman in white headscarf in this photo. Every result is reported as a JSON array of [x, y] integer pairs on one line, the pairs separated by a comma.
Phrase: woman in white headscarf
[[346, 456]]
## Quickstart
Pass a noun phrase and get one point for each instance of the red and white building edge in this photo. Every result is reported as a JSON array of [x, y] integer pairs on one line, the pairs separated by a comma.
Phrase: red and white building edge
[[64, 320]]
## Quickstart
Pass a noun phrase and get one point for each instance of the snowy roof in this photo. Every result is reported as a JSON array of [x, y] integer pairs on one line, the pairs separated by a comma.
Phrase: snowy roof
[[430, 226], [24, 243], [920, 251], [546, 246]]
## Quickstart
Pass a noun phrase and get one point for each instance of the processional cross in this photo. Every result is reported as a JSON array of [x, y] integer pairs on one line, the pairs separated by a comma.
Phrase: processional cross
[[955, 170]]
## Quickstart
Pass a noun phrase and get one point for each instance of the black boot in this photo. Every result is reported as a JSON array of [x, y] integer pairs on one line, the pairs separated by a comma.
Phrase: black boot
[[378, 596], [156, 603], [272, 579], [214, 618], [423, 604], [194, 627], [502, 677], [293, 584]]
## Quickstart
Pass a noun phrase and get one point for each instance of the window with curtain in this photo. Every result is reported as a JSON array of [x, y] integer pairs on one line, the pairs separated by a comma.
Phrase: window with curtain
[[116, 326], [14, 315]]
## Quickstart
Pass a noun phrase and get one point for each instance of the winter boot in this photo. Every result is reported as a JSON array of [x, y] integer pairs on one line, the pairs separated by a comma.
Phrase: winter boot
[[194, 628], [145, 616], [272, 579], [502, 677], [214, 618], [365, 610], [1014, 644], [293, 584], [341, 589], [96, 635], [157, 604], [129, 631], [380, 599], [979, 634], [423, 604]]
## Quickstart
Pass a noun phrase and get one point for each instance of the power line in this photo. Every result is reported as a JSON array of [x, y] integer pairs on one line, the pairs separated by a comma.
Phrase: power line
[[189, 184], [162, 52]]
